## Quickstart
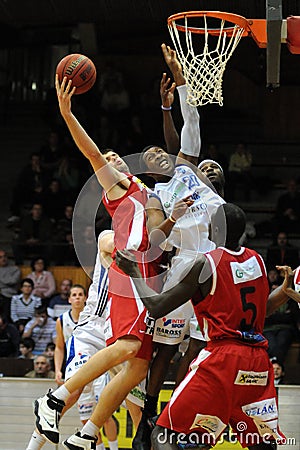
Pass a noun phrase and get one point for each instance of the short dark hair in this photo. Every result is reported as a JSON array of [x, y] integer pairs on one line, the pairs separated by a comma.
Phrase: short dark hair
[[50, 345], [27, 280], [235, 221], [79, 286], [143, 165], [28, 342], [40, 310], [34, 260]]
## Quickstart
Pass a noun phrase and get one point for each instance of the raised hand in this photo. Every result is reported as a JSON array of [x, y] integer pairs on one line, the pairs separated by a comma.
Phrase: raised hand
[[64, 93], [173, 64], [166, 91]]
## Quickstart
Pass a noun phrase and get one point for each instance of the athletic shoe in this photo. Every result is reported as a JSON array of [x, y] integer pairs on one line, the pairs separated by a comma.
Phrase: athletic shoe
[[78, 442], [48, 411], [142, 438]]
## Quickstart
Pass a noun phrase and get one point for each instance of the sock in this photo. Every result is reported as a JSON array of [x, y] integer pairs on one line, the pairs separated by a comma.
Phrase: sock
[[36, 442], [150, 406], [100, 446], [90, 429], [61, 393], [113, 445]]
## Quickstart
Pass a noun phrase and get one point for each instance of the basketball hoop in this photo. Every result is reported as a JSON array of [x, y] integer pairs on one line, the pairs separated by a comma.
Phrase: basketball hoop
[[203, 70]]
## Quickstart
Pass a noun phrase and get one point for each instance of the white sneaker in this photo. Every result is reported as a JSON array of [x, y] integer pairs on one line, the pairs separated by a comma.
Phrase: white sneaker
[[47, 410], [78, 442]]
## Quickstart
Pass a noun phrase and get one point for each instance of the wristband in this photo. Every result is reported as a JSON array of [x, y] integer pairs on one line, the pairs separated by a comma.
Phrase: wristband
[[166, 108], [171, 219]]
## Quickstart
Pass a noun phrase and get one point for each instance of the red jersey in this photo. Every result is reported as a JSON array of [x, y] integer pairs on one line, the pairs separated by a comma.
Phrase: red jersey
[[235, 308]]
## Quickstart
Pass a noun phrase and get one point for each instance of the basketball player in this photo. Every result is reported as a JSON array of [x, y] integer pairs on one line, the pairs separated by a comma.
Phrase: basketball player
[[86, 339], [232, 380], [189, 233], [125, 198]]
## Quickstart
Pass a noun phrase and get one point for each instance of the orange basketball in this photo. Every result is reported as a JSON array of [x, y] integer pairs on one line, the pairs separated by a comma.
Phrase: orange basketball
[[78, 68]]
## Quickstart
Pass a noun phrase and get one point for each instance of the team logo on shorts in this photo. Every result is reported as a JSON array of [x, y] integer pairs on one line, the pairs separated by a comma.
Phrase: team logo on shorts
[[251, 378], [265, 409], [212, 424], [175, 323]]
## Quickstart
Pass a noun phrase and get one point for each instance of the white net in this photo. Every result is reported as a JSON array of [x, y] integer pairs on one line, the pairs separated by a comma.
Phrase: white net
[[204, 72]]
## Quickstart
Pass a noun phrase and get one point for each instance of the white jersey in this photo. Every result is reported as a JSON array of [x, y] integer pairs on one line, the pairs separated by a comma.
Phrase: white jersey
[[190, 232], [67, 324]]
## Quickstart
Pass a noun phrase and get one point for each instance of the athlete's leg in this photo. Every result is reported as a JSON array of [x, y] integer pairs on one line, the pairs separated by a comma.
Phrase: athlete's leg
[[135, 412], [111, 397]]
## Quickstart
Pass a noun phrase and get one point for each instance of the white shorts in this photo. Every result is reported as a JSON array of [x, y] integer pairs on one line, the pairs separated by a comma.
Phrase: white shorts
[[90, 396], [137, 395], [195, 331], [172, 328]]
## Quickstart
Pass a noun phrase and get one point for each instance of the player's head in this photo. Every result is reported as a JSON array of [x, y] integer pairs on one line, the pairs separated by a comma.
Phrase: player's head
[[214, 172], [227, 226], [77, 296], [115, 160], [157, 162]]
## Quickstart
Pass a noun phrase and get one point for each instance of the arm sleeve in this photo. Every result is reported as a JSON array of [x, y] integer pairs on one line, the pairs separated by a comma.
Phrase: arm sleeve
[[190, 133]]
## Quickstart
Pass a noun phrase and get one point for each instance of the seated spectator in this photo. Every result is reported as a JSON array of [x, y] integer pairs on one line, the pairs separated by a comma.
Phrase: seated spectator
[[41, 368], [26, 348], [68, 175], [64, 253], [239, 171], [35, 235], [278, 371], [282, 253], [44, 282], [24, 304], [9, 338], [41, 329], [273, 279], [9, 282], [280, 330], [49, 352], [287, 217], [60, 302], [51, 153], [29, 187], [53, 200]]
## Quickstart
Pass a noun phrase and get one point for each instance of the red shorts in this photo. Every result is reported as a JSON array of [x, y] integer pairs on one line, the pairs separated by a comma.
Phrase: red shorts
[[126, 315], [226, 384]]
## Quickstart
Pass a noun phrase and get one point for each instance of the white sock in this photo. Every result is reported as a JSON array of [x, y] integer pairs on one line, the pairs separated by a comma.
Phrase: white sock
[[100, 446], [113, 445], [90, 429], [36, 442], [61, 393]]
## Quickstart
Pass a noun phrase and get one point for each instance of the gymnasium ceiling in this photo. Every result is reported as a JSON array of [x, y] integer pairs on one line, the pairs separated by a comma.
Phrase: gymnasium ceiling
[[117, 26]]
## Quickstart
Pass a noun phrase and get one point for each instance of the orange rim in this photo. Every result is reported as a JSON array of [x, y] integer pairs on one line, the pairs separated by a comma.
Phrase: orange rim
[[256, 28]]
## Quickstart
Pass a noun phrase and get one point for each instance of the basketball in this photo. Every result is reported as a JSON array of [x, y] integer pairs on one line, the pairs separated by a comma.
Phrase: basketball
[[78, 68]]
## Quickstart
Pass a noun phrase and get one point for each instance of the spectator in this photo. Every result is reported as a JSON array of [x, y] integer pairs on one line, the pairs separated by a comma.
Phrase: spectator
[[24, 304], [282, 253], [68, 176], [51, 153], [41, 329], [280, 330], [44, 283], [64, 251], [26, 348], [9, 338], [29, 187], [53, 200], [239, 171], [273, 279], [60, 303], [278, 371], [287, 217], [49, 352], [9, 280], [41, 368], [35, 235]]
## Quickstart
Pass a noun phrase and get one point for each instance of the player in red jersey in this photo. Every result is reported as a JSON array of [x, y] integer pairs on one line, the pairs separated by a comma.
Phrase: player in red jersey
[[231, 380], [125, 198]]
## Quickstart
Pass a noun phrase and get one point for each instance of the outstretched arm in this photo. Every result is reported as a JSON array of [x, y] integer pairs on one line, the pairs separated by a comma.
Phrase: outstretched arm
[[160, 304], [190, 134], [108, 177], [167, 99]]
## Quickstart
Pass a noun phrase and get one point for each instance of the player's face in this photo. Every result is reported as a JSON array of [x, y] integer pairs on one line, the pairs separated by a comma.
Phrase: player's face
[[158, 161], [213, 172], [77, 298], [117, 162]]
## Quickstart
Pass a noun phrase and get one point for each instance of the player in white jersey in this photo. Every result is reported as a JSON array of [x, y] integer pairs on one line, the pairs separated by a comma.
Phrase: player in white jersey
[[188, 199]]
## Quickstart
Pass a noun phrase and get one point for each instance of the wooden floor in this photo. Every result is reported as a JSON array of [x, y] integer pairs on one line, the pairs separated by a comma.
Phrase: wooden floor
[[16, 417]]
